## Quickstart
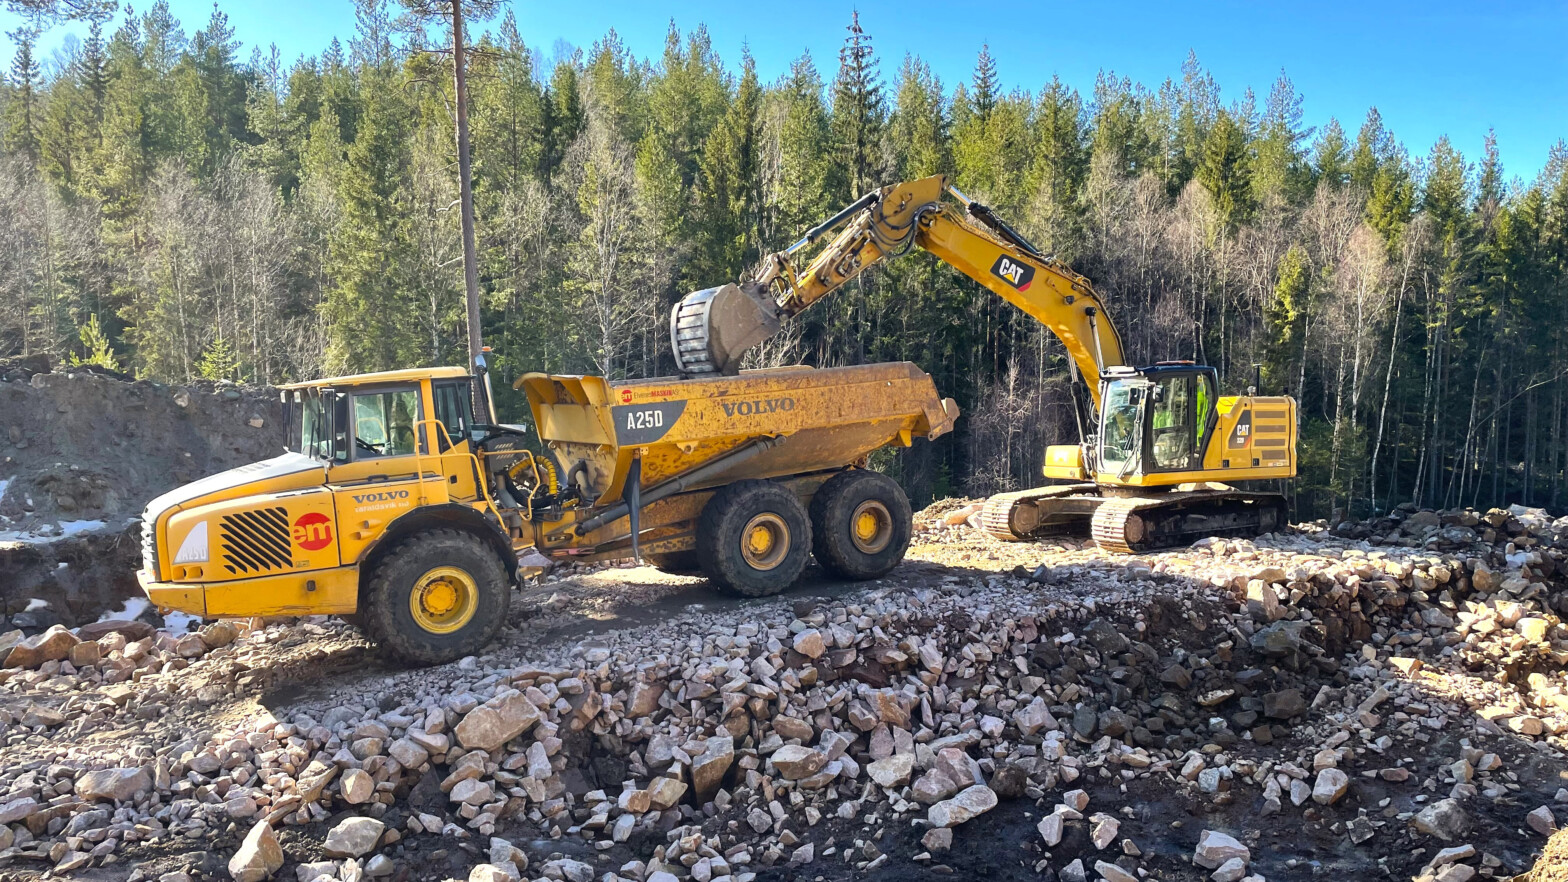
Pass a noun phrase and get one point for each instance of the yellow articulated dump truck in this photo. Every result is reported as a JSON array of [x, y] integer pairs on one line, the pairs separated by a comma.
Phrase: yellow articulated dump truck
[[394, 507]]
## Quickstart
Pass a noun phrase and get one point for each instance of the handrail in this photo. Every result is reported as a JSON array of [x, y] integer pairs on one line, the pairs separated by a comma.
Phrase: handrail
[[451, 451]]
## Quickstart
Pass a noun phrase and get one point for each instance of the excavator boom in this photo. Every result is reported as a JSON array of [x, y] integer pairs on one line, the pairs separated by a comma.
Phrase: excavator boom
[[711, 329]]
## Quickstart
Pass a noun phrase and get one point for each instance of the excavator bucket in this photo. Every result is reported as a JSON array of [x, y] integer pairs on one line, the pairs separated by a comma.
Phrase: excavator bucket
[[711, 329]]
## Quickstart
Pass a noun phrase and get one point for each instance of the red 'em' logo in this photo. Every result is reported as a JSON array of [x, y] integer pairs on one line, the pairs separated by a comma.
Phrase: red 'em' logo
[[313, 531], [626, 396]]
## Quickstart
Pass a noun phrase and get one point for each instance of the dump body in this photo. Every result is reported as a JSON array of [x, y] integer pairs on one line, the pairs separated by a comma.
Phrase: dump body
[[812, 422]]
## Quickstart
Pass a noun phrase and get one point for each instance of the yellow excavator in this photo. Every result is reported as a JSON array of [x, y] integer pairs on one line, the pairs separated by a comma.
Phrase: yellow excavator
[[1155, 442]]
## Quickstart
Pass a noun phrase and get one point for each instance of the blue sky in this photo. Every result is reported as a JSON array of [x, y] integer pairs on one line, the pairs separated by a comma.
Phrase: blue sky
[[1432, 68]]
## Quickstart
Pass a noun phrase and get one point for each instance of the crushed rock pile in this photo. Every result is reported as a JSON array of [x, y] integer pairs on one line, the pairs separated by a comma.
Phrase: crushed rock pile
[[1374, 700]]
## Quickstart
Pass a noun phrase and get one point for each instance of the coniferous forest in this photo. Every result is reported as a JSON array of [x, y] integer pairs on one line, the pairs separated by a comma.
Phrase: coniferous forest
[[172, 210]]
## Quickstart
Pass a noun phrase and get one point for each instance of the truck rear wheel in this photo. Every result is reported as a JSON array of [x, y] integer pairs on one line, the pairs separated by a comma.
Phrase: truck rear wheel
[[861, 524], [437, 597], [753, 538]]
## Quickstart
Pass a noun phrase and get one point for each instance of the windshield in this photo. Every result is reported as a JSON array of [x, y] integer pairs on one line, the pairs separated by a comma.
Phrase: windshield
[[1121, 428], [307, 421]]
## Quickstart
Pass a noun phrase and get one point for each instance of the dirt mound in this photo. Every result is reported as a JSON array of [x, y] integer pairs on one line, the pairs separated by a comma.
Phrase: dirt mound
[[1553, 865], [81, 452]]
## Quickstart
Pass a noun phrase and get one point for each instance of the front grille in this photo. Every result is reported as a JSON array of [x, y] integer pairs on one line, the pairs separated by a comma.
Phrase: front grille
[[150, 543], [255, 541]]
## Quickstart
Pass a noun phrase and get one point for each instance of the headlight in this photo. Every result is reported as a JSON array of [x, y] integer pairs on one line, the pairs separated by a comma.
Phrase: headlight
[[194, 548]]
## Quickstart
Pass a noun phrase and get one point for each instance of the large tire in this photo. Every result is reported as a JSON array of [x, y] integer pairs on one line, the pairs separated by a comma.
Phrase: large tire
[[676, 563], [753, 538], [861, 523], [436, 597]]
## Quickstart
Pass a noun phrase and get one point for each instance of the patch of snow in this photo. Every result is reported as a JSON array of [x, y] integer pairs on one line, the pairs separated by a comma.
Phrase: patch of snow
[[177, 623], [50, 532], [36, 603], [71, 528], [61, 565], [134, 607], [4, 484]]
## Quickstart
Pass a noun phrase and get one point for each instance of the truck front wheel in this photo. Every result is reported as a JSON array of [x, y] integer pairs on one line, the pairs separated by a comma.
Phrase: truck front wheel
[[437, 597], [753, 538], [861, 524]]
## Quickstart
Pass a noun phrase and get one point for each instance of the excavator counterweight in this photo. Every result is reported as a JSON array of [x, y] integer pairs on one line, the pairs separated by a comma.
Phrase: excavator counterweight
[[1156, 442]]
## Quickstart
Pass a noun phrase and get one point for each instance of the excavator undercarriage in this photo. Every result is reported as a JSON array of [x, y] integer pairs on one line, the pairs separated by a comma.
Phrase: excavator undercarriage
[[1132, 524]]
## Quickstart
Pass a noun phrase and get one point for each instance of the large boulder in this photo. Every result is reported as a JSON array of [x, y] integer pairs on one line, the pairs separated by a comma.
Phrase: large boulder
[[1215, 848], [795, 762], [707, 770], [112, 784], [1444, 819], [353, 837], [971, 802], [259, 855], [497, 721], [52, 645]]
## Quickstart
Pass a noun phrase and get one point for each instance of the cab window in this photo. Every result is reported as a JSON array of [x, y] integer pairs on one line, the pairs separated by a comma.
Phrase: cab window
[[1174, 422], [1206, 398], [454, 409], [383, 423]]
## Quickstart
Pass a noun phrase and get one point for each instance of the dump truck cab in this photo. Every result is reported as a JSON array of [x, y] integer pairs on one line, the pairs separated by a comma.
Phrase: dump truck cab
[[393, 506], [370, 461]]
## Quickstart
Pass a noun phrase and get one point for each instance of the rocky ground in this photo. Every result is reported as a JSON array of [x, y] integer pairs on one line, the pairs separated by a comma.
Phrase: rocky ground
[[1384, 700]]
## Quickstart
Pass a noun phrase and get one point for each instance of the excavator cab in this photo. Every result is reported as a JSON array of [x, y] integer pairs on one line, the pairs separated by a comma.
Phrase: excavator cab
[[1155, 419]]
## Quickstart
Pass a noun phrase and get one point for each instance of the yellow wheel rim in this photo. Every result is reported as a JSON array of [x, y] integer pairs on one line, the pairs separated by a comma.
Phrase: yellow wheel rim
[[764, 541], [871, 526], [444, 600]]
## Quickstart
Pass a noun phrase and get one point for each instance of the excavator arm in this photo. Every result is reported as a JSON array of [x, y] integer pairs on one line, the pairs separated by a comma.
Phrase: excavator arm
[[712, 329]]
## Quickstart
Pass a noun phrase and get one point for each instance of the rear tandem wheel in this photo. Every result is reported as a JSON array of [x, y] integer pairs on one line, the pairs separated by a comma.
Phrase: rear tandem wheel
[[860, 524], [753, 538]]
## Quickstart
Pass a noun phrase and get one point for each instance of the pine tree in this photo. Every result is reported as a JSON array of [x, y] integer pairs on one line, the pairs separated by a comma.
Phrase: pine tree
[[1287, 315], [1374, 147], [366, 303], [1197, 111], [729, 187], [95, 343], [1060, 168], [798, 184], [218, 361], [210, 94]]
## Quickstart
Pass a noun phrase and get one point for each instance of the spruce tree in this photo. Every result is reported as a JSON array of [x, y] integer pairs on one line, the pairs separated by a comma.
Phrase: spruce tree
[[985, 83], [858, 116], [1279, 173], [22, 110], [918, 126], [1223, 170], [1330, 157]]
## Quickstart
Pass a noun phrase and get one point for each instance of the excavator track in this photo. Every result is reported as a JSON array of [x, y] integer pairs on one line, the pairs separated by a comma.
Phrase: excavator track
[[1029, 514], [1132, 525]]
